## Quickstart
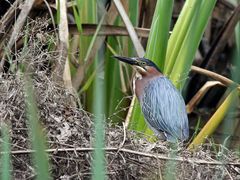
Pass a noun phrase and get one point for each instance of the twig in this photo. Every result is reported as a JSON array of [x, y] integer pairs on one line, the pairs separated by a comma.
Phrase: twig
[[6, 20], [213, 75], [163, 157], [121, 145], [107, 30], [130, 110], [228, 173], [51, 15], [132, 33], [200, 94], [124, 136], [159, 170]]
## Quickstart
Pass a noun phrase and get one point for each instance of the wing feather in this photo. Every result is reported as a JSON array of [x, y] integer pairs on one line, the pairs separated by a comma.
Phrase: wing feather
[[164, 108]]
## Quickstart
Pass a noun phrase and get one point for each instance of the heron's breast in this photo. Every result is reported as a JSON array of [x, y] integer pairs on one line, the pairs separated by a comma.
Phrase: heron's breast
[[141, 84]]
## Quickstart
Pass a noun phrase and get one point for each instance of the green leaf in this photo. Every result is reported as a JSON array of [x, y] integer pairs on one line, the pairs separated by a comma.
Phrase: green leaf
[[77, 19], [191, 42], [179, 33], [158, 38]]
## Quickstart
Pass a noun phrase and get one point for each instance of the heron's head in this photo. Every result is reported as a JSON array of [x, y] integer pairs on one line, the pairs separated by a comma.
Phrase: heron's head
[[143, 65]]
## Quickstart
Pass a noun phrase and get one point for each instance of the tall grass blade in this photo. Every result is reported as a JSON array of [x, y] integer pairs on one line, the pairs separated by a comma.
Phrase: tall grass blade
[[158, 38], [98, 88], [76, 12], [38, 142], [171, 166], [98, 164], [5, 166], [89, 81], [113, 84], [94, 37], [88, 15]]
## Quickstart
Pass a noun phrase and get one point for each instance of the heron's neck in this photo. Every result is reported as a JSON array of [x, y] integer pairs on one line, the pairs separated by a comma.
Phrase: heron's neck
[[147, 76]]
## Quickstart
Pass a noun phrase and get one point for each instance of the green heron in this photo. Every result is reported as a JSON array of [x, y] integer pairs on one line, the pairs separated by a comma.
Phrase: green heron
[[162, 104]]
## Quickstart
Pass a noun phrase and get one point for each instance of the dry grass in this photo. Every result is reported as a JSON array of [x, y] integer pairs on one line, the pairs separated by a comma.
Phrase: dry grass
[[69, 132]]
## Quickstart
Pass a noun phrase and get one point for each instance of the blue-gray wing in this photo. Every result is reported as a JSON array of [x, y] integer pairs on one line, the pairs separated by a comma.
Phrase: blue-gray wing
[[164, 109]]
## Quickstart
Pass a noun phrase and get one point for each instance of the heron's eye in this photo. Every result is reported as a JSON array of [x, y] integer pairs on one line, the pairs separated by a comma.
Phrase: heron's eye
[[143, 63]]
